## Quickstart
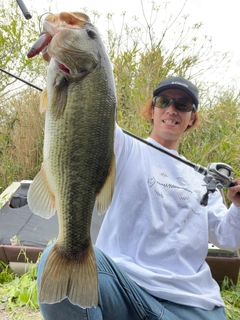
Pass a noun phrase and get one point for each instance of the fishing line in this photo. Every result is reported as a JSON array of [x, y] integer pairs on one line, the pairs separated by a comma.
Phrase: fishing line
[[217, 175], [39, 26], [196, 167]]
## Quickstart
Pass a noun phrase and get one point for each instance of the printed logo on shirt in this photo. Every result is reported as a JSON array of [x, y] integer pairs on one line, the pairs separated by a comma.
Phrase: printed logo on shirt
[[163, 181]]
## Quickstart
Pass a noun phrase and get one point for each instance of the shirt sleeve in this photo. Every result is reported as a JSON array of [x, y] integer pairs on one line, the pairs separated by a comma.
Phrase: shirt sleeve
[[224, 224], [123, 144]]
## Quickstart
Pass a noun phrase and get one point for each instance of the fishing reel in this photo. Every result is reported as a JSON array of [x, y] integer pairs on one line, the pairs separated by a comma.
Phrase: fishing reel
[[217, 176]]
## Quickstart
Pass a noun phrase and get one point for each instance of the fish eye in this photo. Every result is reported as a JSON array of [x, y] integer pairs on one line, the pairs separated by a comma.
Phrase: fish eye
[[91, 33]]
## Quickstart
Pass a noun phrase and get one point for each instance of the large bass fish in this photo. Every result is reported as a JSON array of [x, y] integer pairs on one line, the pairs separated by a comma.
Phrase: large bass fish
[[79, 165]]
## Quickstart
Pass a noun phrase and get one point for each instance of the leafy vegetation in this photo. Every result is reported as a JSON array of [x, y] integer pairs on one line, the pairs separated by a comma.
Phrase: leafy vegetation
[[231, 297], [141, 58], [218, 136], [18, 291], [21, 138], [15, 39], [18, 294]]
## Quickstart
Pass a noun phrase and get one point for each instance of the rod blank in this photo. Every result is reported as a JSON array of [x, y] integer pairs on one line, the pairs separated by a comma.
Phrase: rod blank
[[25, 12]]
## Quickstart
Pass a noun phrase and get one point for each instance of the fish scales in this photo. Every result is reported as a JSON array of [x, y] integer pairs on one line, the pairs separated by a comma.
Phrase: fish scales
[[79, 163]]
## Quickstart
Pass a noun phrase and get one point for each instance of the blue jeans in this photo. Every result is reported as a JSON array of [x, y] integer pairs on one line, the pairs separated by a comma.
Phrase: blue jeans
[[120, 298]]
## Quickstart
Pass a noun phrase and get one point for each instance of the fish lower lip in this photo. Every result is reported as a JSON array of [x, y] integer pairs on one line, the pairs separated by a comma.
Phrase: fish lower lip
[[62, 67]]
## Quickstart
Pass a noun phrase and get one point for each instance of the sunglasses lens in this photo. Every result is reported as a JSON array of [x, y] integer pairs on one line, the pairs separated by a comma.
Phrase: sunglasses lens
[[162, 102], [181, 104]]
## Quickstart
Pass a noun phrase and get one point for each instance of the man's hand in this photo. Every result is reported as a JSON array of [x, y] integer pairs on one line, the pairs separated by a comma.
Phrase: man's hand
[[234, 193]]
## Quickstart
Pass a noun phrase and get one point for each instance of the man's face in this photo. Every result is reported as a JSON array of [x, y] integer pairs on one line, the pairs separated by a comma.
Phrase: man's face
[[169, 123]]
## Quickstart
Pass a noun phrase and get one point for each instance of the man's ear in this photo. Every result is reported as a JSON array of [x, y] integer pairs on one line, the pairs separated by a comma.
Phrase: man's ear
[[192, 119]]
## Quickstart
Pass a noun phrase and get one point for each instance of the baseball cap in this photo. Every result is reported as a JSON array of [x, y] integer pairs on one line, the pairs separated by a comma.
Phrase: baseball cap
[[181, 84]]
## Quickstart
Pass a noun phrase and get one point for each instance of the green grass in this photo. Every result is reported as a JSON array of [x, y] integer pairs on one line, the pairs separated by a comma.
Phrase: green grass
[[231, 297], [18, 295], [18, 291]]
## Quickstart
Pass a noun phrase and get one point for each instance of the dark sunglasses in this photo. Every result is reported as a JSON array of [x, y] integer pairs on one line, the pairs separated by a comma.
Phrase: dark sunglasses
[[181, 104]]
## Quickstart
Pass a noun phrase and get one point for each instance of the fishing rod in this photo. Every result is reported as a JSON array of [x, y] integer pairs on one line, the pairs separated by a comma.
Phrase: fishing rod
[[217, 174], [26, 82], [24, 9]]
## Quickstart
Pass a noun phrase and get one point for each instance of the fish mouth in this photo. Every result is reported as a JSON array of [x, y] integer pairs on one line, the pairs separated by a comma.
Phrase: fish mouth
[[53, 24]]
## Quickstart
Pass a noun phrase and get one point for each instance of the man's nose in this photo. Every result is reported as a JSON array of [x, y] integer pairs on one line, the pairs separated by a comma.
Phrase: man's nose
[[171, 108]]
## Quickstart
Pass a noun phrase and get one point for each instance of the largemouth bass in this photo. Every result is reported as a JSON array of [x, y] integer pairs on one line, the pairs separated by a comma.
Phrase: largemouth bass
[[78, 159]]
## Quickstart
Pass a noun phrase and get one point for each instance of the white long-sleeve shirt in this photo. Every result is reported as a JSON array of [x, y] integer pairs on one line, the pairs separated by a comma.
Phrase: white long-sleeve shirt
[[157, 231]]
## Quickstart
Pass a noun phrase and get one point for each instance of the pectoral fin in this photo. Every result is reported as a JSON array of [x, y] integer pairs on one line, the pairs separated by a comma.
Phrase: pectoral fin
[[40, 199], [104, 197]]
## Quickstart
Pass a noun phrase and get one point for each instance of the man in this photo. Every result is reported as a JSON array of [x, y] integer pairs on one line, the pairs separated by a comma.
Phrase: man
[[156, 232]]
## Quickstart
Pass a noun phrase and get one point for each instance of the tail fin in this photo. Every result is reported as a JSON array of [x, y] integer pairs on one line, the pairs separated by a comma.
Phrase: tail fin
[[76, 279]]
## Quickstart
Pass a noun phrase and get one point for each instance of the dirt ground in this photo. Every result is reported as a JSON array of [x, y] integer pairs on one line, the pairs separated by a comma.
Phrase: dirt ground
[[19, 314]]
